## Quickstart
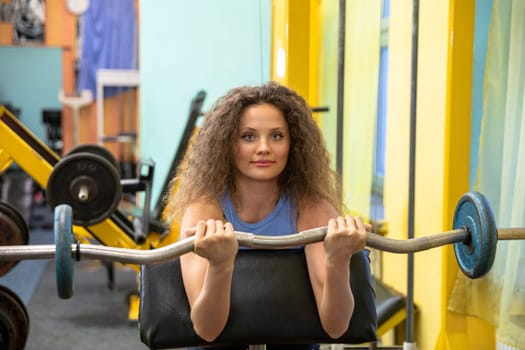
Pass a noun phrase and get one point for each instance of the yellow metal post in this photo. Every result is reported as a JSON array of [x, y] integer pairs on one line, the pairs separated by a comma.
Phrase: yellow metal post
[[295, 46], [459, 331]]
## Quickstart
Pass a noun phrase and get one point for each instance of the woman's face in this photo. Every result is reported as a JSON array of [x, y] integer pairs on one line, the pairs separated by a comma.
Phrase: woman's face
[[263, 143]]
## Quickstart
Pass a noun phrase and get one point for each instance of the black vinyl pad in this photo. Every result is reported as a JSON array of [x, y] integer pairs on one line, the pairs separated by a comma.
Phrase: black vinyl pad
[[272, 302], [388, 301]]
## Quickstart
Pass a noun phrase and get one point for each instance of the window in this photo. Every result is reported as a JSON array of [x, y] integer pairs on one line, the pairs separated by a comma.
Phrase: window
[[376, 208]]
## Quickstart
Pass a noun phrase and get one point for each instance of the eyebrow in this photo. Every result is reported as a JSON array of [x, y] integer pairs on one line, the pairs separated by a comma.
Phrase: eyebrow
[[248, 128]]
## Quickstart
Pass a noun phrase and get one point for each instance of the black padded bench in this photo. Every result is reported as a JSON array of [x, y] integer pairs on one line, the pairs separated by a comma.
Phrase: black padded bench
[[272, 303], [390, 306]]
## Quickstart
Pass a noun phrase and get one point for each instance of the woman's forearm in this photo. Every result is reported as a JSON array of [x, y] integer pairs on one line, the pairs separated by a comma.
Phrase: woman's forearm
[[211, 308], [337, 301]]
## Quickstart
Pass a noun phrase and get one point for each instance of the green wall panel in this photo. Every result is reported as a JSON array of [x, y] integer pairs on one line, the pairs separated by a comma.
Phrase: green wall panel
[[187, 46], [30, 79]]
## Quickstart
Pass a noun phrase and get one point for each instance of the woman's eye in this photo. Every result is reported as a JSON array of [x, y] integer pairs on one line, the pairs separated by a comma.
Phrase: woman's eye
[[248, 137], [277, 136]]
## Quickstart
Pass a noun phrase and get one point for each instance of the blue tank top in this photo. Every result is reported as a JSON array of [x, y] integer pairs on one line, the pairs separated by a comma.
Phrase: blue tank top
[[281, 221]]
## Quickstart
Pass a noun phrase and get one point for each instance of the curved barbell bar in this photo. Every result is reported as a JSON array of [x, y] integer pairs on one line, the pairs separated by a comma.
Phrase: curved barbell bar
[[249, 240]]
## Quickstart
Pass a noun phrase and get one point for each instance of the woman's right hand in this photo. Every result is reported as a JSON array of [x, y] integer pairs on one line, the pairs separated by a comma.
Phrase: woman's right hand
[[216, 242], [345, 236]]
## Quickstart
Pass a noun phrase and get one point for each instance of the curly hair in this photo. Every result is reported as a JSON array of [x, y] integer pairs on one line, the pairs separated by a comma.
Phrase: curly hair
[[207, 170]]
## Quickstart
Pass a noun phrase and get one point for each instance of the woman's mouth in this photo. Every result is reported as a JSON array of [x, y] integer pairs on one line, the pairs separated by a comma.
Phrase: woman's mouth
[[263, 163]]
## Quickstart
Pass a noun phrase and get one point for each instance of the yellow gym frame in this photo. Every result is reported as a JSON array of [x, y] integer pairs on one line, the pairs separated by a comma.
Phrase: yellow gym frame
[[18, 144], [394, 322]]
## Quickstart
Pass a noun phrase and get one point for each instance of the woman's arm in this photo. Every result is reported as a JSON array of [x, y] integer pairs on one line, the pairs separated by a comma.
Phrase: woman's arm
[[207, 273], [329, 264]]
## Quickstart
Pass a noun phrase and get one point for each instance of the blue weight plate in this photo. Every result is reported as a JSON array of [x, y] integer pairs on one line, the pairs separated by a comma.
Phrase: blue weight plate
[[63, 255], [474, 213]]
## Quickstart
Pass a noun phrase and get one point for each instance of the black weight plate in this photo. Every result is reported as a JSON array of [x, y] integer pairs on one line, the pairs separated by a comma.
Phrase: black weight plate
[[12, 232], [14, 214], [98, 150], [14, 321], [87, 182]]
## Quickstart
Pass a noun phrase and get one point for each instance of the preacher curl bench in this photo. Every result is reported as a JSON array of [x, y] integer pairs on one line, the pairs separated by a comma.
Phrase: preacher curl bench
[[272, 302]]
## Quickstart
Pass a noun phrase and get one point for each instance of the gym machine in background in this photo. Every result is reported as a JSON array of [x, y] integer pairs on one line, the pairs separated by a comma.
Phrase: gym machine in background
[[88, 178]]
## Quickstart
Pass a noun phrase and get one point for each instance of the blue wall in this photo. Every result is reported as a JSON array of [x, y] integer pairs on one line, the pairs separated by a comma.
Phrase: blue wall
[[186, 46], [30, 79]]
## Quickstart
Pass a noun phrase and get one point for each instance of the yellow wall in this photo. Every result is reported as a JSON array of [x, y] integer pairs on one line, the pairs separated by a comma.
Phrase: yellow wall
[[327, 71], [442, 160], [429, 155], [362, 49]]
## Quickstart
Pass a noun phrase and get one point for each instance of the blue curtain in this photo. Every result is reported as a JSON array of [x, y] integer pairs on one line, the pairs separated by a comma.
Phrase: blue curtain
[[109, 32]]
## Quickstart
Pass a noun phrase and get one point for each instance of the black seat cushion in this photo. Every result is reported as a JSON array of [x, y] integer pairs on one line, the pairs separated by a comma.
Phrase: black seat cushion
[[272, 302], [388, 301]]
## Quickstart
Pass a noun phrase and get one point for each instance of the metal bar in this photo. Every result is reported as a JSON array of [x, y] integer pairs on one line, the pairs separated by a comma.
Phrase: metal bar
[[340, 88], [412, 172], [506, 234], [166, 253], [35, 251], [257, 347], [245, 239]]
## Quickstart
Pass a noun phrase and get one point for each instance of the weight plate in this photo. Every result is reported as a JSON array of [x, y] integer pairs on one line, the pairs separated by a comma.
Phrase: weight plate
[[88, 183], [14, 321], [98, 150], [15, 215], [474, 213], [63, 255], [13, 231]]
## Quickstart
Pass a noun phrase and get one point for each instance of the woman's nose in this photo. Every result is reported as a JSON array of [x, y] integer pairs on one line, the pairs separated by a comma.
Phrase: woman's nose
[[263, 146]]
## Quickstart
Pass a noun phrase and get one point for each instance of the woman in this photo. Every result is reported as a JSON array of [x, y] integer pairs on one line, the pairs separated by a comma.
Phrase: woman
[[259, 164]]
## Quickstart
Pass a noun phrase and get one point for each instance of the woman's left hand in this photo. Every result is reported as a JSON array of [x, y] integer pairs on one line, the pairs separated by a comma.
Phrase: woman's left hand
[[345, 236]]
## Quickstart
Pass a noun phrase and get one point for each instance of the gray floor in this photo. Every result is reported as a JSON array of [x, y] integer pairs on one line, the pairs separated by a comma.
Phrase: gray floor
[[94, 318]]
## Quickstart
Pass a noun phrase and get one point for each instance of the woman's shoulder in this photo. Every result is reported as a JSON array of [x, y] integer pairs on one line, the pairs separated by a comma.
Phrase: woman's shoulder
[[199, 209], [314, 213], [205, 205]]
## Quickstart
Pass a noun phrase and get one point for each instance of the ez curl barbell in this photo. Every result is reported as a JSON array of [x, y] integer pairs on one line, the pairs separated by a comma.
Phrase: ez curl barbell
[[474, 236]]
